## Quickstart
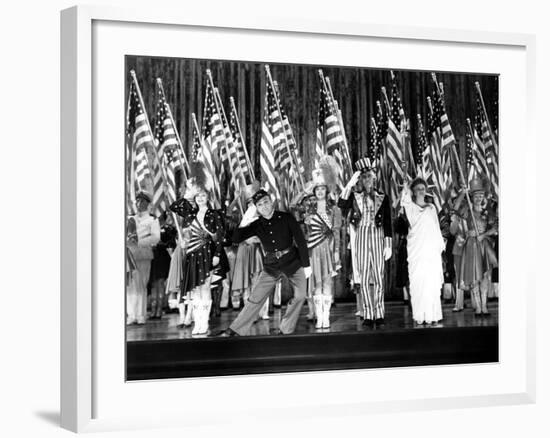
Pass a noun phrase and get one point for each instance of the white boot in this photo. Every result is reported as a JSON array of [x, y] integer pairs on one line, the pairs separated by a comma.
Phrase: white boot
[[196, 306], [205, 317], [181, 311], [318, 303], [310, 309], [327, 301], [264, 311], [189, 316]]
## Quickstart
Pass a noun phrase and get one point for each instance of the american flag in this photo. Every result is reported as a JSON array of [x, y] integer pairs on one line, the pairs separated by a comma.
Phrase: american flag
[[332, 136], [491, 149], [173, 162], [475, 155], [240, 146], [165, 131], [141, 169], [447, 142], [138, 124], [322, 115], [296, 165], [272, 136], [213, 139], [433, 171], [394, 138], [381, 134], [372, 148], [421, 151], [230, 160]]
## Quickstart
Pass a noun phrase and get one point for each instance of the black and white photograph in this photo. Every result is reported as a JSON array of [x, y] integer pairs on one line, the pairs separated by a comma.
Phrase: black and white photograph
[[292, 217]]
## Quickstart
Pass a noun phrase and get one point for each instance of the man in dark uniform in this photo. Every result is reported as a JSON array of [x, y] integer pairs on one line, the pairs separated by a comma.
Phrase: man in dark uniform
[[286, 254]]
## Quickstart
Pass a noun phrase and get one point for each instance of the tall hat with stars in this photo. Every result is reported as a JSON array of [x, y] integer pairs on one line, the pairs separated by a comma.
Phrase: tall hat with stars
[[365, 164]]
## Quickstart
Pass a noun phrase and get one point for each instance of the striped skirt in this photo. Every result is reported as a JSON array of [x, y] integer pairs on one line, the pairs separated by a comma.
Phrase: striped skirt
[[321, 259], [248, 263]]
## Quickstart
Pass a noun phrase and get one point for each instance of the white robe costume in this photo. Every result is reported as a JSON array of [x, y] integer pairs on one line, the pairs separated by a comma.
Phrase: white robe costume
[[424, 247]]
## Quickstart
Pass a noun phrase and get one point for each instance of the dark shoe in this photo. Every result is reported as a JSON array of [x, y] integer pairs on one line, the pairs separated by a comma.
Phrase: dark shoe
[[485, 314], [226, 333], [379, 322], [368, 323], [181, 326], [275, 331]]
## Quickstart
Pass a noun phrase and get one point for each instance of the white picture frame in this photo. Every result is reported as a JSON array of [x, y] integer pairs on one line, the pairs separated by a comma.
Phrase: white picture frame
[[81, 367]]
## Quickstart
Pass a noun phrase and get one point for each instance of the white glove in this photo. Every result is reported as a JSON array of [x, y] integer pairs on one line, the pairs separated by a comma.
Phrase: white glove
[[215, 261], [307, 272], [249, 216], [387, 253], [354, 178]]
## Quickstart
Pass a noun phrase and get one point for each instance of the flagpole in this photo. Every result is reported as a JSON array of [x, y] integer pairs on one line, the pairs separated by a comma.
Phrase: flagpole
[[268, 73], [249, 164], [180, 144], [165, 179], [340, 121]]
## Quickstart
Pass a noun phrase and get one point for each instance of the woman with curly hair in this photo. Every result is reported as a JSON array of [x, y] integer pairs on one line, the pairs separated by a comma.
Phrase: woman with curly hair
[[323, 220], [203, 252]]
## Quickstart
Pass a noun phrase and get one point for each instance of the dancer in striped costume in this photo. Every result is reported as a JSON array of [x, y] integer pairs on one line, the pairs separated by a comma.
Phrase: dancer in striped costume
[[323, 220], [371, 217]]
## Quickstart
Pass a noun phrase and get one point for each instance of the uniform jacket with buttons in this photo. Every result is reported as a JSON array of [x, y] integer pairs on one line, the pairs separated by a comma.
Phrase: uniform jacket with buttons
[[278, 233], [382, 211]]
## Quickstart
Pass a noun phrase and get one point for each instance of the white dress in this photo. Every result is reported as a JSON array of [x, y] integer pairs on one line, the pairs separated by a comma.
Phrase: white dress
[[424, 247]]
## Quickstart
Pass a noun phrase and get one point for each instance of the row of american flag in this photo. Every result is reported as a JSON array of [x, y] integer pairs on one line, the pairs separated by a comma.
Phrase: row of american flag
[[156, 153]]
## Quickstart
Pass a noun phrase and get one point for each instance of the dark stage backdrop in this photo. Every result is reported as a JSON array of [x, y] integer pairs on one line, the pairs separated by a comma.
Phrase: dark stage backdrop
[[356, 89]]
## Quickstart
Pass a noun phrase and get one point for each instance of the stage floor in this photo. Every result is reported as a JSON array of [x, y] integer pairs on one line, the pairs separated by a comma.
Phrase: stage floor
[[398, 317]]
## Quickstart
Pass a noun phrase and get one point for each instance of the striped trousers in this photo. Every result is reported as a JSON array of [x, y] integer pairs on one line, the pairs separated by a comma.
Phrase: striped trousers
[[369, 249]]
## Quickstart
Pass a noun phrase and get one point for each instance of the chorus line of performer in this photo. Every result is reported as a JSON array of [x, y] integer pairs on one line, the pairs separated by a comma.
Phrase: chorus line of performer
[[213, 258]]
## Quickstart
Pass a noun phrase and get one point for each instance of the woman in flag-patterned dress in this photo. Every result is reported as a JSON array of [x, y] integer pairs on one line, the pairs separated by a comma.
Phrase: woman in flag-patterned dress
[[478, 255], [203, 252], [323, 220]]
